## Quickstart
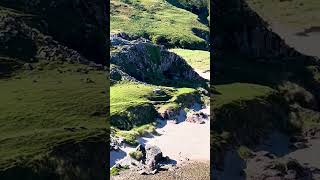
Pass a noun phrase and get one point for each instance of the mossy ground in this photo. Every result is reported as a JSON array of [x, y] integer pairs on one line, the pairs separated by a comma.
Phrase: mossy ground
[[157, 20], [55, 103]]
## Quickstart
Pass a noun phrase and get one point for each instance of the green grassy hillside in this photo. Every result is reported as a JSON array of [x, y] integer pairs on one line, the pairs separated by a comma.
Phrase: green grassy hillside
[[53, 104], [159, 21]]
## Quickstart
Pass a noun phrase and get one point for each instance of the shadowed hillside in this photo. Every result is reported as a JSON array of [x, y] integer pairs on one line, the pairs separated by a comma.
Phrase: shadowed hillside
[[53, 90], [262, 85]]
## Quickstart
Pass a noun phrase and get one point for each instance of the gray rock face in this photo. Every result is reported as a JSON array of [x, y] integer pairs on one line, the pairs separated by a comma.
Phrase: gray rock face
[[79, 25], [20, 41], [150, 162], [197, 117], [153, 156], [116, 74], [151, 63]]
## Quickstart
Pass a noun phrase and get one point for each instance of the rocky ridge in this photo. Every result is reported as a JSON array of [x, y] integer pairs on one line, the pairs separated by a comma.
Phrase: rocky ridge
[[150, 63]]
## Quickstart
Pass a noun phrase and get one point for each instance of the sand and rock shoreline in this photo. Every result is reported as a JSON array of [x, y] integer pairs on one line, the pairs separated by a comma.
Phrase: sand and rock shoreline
[[178, 143]]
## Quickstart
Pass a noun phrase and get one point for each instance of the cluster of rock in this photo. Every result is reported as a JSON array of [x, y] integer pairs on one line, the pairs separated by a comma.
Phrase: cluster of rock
[[115, 143], [150, 162], [298, 142], [170, 114], [18, 40], [116, 74], [284, 169], [312, 132], [197, 117], [150, 63]]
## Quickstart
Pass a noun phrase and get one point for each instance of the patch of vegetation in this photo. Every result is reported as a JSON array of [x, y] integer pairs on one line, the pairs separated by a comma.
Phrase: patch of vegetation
[[137, 155], [158, 21], [131, 102], [132, 135], [199, 60], [114, 171], [130, 106], [235, 92], [244, 152]]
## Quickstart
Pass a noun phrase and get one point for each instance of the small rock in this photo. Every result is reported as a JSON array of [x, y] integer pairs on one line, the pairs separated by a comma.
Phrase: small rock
[[28, 66]]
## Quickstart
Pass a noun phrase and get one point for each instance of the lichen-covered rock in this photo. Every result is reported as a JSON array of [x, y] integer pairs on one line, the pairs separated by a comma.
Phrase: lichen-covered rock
[[151, 63]]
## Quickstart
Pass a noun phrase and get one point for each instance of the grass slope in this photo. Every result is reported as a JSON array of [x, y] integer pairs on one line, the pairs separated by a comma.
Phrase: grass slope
[[229, 93], [198, 59], [52, 104], [131, 103], [158, 20]]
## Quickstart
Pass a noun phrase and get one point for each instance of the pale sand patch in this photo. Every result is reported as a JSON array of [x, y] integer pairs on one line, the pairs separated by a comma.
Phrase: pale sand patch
[[204, 74], [116, 156], [183, 140], [309, 155]]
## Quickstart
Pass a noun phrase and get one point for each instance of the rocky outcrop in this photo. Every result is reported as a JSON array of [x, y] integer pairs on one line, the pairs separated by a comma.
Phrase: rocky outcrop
[[149, 163], [151, 63], [116, 74], [197, 117], [26, 44], [79, 25]]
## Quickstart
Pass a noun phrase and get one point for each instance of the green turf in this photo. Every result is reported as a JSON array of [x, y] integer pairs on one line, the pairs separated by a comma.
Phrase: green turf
[[158, 20], [131, 103], [198, 59], [228, 93], [54, 103]]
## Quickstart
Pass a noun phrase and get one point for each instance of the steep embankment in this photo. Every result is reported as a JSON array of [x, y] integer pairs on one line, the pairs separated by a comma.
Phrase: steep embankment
[[53, 95], [263, 86]]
